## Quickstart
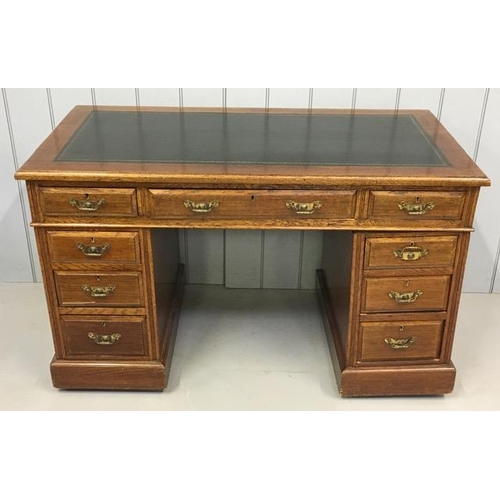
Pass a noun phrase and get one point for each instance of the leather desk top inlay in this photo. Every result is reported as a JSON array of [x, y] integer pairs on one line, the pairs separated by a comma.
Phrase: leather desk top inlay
[[247, 138]]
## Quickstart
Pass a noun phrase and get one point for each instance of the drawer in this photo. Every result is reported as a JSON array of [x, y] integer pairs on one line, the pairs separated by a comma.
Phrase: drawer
[[409, 252], [88, 202], [226, 204], [403, 340], [94, 247], [104, 336], [415, 293], [103, 289], [416, 205]]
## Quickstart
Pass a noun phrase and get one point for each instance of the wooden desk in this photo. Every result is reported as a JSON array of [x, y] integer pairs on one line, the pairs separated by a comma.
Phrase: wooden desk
[[394, 194]]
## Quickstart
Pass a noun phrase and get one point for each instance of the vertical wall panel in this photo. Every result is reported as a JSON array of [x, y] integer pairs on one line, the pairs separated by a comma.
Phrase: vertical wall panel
[[115, 97], [282, 249], [312, 251], [244, 248], [420, 99], [15, 259], [202, 97], [288, 98], [496, 280], [461, 113], [30, 118], [29, 113], [376, 98], [206, 256], [243, 258], [159, 97], [281, 259], [205, 248], [332, 98], [251, 98], [484, 240], [64, 100]]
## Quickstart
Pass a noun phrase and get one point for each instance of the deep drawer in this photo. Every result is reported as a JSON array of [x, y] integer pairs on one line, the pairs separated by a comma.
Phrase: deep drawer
[[273, 204], [104, 336], [410, 252], [94, 247], [103, 289], [403, 340], [426, 293], [88, 202]]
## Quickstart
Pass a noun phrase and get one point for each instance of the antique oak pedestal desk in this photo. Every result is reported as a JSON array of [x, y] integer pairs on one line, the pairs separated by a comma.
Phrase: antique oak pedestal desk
[[394, 195]]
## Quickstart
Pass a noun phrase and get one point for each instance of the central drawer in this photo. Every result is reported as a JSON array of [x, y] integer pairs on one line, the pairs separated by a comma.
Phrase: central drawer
[[396, 294], [103, 289], [104, 337], [227, 204]]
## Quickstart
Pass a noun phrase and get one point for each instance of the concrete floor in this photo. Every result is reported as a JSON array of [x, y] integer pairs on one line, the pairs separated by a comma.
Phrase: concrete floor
[[240, 350]]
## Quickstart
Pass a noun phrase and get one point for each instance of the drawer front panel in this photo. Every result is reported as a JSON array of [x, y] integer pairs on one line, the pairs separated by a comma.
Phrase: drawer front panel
[[104, 337], [91, 202], [429, 293], [106, 289], [396, 341], [164, 203], [409, 252], [416, 205], [94, 247]]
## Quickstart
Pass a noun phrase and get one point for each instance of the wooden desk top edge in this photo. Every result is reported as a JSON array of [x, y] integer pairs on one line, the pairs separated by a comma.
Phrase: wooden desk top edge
[[462, 170]]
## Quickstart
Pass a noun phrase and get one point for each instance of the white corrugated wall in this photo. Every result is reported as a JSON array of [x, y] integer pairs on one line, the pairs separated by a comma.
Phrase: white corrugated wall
[[251, 259]]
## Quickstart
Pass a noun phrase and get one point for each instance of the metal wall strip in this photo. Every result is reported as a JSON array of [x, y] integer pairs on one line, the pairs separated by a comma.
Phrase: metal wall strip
[[440, 105], [481, 123], [138, 99], [24, 208], [51, 109]]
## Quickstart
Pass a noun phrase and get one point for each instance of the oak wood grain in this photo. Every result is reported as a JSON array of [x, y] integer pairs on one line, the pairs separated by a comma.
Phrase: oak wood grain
[[104, 202], [118, 375], [140, 207], [426, 337], [41, 165], [429, 251], [75, 246], [131, 341], [434, 293], [99, 289], [238, 204]]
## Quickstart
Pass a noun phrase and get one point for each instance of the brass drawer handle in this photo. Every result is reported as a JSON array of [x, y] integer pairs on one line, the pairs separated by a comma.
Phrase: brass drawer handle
[[405, 298], [87, 205], [417, 208], [93, 250], [201, 208], [400, 343], [98, 291], [104, 339], [303, 208], [411, 252]]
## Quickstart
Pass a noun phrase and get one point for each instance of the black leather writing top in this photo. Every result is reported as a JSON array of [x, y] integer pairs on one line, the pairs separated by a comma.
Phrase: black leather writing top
[[307, 139]]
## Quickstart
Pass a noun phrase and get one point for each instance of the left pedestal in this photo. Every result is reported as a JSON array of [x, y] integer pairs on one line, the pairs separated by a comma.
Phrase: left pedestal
[[114, 298]]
